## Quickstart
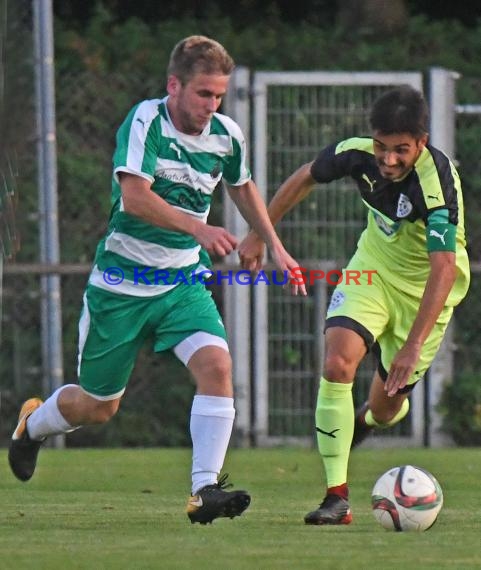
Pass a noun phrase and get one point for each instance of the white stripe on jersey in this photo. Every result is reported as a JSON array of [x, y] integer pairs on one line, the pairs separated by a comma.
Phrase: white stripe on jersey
[[183, 173], [83, 328], [234, 129], [144, 115], [130, 171], [216, 144], [206, 142], [149, 254]]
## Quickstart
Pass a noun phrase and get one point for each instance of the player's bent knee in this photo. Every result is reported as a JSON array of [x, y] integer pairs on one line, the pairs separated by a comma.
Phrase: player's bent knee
[[102, 412], [221, 369], [387, 417], [213, 376], [211, 361], [338, 368]]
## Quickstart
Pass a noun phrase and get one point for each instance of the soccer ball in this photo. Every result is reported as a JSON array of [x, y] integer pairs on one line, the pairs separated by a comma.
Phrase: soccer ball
[[406, 498]]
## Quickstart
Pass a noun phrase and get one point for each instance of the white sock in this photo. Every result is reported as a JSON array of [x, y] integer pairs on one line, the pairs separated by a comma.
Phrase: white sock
[[211, 421], [47, 419]]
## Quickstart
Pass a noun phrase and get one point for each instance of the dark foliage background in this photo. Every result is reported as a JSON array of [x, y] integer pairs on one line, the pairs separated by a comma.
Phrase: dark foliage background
[[244, 13]]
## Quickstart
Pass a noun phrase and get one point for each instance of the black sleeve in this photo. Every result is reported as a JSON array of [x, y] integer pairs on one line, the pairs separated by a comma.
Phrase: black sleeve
[[336, 161]]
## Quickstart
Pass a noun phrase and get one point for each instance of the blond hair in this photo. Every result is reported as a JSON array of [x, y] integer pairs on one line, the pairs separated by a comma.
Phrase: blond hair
[[199, 54]]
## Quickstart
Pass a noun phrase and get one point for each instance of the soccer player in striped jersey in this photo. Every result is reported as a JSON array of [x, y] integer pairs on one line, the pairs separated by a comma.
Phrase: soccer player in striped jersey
[[171, 154], [415, 243]]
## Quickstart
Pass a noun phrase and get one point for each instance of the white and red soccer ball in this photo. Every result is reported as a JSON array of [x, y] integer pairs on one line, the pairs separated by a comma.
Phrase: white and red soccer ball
[[406, 498]]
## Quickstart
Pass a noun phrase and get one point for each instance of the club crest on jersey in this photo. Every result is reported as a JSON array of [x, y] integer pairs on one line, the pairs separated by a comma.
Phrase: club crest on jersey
[[404, 206], [337, 300]]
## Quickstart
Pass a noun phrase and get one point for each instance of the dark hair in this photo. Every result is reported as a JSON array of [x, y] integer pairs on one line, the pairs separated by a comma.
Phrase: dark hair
[[199, 54], [400, 110]]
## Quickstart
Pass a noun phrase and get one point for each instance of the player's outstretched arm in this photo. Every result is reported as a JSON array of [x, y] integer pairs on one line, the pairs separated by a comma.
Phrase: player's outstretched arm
[[291, 192], [252, 207]]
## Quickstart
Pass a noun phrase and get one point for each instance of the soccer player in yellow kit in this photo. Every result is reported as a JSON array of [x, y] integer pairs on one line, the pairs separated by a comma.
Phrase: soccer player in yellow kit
[[415, 242]]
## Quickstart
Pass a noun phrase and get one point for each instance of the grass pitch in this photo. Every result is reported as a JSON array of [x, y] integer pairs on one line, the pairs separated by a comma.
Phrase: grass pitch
[[124, 509]]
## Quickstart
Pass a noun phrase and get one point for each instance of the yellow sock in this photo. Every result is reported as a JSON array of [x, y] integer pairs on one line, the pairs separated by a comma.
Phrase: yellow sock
[[335, 427], [370, 421]]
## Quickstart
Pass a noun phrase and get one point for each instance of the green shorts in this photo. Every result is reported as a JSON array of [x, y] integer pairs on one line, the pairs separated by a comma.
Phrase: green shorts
[[113, 328], [383, 315]]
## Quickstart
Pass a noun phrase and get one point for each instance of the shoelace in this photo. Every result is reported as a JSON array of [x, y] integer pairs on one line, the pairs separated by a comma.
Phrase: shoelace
[[222, 484], [329, 500]]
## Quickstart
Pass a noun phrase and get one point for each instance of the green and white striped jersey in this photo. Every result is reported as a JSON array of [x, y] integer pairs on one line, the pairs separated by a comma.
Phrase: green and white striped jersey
[[184, 170]]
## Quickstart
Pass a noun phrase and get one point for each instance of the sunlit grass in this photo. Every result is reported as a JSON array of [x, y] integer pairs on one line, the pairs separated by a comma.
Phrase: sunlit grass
[[124, 509]]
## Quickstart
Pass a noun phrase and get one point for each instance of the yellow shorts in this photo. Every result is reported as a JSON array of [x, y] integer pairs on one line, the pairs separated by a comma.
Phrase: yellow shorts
[[382, 315]]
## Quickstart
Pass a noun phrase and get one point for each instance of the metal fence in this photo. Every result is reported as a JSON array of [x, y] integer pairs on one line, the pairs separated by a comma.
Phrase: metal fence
[[277, 367]]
